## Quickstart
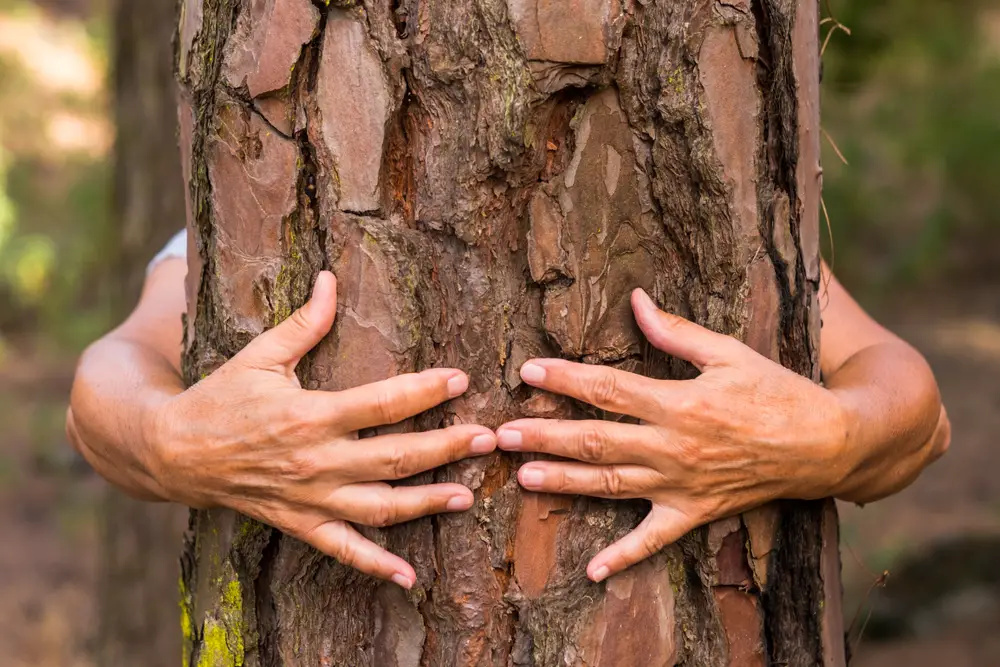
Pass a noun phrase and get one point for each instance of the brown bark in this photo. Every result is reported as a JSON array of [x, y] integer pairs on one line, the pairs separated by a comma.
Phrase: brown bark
[[137, 623], [489, 180]]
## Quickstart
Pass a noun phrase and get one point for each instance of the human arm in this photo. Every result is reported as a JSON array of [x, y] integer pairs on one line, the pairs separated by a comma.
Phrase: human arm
[[743, 433], [248, 437]]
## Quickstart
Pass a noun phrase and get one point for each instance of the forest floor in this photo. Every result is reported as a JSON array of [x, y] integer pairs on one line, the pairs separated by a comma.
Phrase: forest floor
[[939, 540]]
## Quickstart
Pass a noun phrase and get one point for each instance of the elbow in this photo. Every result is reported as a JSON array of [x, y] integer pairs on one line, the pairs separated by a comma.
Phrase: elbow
[[72, 435], [940, 441]]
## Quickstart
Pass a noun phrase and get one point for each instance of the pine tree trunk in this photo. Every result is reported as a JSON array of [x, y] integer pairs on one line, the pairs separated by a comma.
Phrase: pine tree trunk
[[489, 179], [138, 596]]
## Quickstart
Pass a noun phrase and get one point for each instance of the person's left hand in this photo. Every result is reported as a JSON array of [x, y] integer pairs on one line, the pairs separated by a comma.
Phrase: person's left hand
[[745, 432]]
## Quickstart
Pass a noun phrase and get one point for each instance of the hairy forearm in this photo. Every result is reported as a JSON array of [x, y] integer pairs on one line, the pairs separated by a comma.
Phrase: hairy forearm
[[894, 421], [119, 386]]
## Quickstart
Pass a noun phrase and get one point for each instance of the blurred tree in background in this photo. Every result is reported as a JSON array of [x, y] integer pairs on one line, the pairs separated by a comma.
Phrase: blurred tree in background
[[912, 99]]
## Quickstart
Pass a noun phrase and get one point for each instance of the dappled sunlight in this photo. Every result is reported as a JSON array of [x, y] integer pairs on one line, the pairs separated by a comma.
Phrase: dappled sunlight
[[76, 133], [56, 53], [979, 338]]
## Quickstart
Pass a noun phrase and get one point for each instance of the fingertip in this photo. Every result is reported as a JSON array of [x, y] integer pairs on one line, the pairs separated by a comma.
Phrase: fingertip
[[322, 304], [598, 573], [458, 383], [325, 285], [402, 580], [533, 372], [460, 503], [484, 443]]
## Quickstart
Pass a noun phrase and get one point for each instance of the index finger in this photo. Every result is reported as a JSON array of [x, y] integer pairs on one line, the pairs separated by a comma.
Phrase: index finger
[[604, 387], [389, 401]]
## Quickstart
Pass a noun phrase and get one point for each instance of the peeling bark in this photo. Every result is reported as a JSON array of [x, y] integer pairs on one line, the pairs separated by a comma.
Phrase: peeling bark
[[490, 179]]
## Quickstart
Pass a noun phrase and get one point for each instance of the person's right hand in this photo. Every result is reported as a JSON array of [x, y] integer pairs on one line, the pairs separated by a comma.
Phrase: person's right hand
[[248, 437]]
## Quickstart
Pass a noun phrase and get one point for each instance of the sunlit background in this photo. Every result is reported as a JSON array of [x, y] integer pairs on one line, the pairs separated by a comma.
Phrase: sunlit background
[[912, 173]]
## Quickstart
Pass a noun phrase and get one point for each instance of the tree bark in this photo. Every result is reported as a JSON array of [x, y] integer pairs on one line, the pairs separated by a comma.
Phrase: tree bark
[[489, 180], [138, 592]]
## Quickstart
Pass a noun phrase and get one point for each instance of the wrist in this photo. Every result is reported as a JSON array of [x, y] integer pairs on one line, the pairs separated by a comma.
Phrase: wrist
[[159, 445], [826, 459], [838, 453]]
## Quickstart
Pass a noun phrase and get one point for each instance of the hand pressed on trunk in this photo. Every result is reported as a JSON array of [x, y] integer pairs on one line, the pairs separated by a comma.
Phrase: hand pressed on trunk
[[250, 438], [745, 432]]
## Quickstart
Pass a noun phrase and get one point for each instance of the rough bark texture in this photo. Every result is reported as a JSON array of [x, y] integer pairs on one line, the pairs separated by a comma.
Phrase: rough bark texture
[[137, 623], [489, 179]]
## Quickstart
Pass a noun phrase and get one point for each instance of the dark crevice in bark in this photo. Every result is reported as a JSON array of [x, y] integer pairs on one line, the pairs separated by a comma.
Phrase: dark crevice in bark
[[267, 621], [793, 601]]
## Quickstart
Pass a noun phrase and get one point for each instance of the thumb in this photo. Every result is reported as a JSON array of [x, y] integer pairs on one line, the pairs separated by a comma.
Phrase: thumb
[[682, 338], [284, 345]]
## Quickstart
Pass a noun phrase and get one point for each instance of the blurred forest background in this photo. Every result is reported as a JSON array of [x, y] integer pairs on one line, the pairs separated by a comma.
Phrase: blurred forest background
[[911, 103]]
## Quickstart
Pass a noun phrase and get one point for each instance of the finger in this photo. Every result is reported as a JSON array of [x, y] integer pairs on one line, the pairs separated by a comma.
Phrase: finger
[[348, 546], [661, 527], [389, 401], [614, 482], [399, 456], [607, 388], [284, 345], [682, 338], [381, 505], [598, 442]]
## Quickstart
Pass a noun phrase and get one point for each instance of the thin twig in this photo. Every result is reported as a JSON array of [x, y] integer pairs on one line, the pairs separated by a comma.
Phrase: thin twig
[[836, 149]]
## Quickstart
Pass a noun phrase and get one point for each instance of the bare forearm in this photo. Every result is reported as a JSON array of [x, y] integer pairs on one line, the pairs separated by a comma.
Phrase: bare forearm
[[119, 385], [895, 424], [121, 381]]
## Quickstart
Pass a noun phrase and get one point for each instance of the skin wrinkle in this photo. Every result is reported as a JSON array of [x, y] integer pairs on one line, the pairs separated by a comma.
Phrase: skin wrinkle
[[745, 432]]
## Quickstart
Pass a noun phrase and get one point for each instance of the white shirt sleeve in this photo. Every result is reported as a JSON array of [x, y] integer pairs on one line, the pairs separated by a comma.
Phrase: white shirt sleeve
[[176, 247]]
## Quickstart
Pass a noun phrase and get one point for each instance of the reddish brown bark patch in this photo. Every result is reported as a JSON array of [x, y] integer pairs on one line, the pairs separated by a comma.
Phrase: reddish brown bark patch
[[634, 624], [353, 125], [266, 45], [253, 174], [592, 224], [733, 106], [741, 617], [564, 31], [808, 175], [536, 540]]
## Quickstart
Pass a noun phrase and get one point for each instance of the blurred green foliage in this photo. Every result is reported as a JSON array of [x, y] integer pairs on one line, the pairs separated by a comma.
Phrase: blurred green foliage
[[912, 99], [55, 183]]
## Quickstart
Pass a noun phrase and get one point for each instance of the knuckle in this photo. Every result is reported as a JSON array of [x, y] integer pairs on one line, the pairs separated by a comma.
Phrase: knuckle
[[685, 453], [384, 514], [593, 445], [651, 544], [692, 404], [604, 387], [611, 481], [386, 402], [299, 320], [398, 463], [302, 467], [296, 418]]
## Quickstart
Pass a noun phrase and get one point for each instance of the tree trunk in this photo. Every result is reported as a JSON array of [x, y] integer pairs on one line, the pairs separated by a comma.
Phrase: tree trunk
[[489, 180], [138, 596]]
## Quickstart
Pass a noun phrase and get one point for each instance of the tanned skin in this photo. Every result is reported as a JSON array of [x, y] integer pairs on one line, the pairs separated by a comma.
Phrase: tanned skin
[[743, 433]]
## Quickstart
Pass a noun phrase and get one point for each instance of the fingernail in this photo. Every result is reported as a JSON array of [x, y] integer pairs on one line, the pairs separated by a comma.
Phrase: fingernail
[[459, 504], [483, 444], [532, 373], [402, 580], [510, 440], [531, 477], [458, 384], [601, 573]]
